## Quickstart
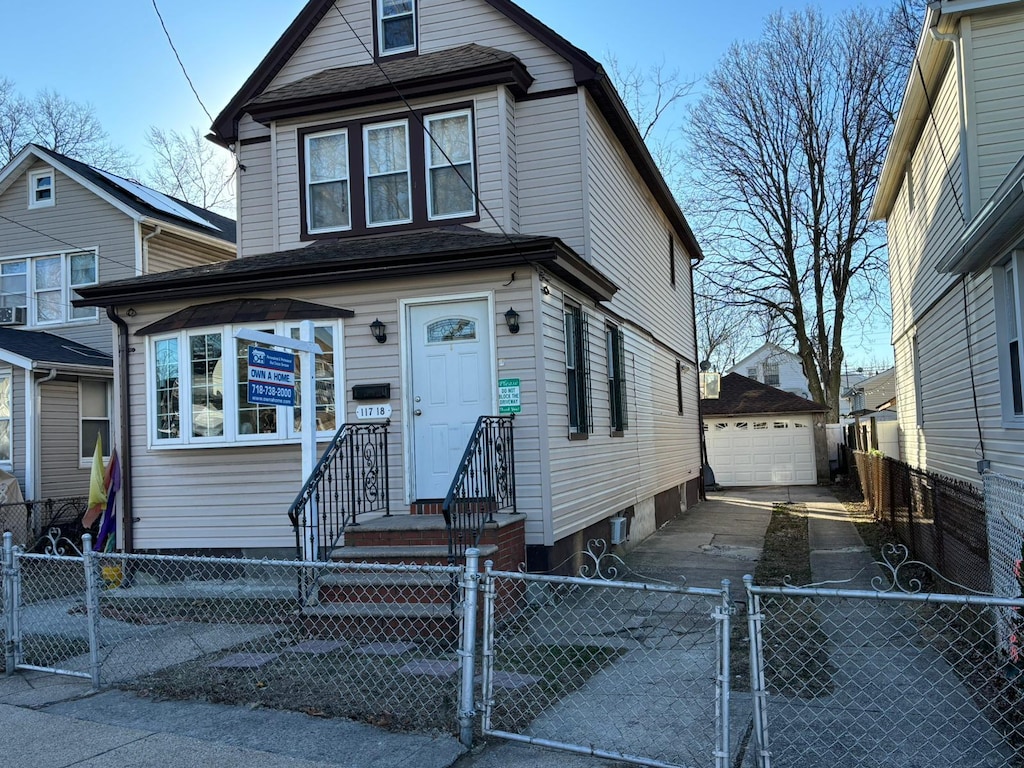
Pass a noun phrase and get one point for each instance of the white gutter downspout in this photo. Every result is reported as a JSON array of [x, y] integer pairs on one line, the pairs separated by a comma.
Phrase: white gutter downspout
[[961, 103], [145, 248], [33, 410]]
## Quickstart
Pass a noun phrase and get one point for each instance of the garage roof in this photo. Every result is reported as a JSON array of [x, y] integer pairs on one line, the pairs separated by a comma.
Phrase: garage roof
[[740, 396]]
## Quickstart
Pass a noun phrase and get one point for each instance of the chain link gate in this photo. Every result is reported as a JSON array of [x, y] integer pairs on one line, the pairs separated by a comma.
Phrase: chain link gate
[[884, 678], [620, 670]]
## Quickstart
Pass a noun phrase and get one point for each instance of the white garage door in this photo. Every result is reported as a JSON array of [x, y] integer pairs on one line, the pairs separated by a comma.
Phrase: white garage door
[[761, 451]]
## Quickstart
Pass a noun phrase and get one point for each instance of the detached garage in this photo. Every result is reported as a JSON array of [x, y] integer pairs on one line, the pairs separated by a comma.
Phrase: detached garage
[[756, 434]]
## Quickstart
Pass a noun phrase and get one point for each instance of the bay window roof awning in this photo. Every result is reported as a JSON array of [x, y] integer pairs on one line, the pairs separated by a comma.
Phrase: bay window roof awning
[[241, 311]]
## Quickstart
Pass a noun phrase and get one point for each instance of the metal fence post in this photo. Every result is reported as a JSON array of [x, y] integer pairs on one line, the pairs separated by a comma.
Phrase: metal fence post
[[92, 607], [8, 576], [487, 648], [470, 583], [723, 616], [758, 692]]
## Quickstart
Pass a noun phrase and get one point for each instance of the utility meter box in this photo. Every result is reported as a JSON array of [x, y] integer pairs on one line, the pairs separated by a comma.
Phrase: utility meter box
[[618, 530]]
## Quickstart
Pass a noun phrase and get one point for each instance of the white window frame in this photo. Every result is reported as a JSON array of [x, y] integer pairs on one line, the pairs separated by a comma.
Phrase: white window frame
[[347, 179], [428, 143], [33, 178], [380, 30], [67, 290], [86, 460], [7, 375], [285, 433], [367, 204], [1010, 329]]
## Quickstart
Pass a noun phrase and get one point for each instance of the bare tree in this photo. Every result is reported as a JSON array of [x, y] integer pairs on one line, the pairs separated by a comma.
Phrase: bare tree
[[58, 123], [788, 141], [189, 167]]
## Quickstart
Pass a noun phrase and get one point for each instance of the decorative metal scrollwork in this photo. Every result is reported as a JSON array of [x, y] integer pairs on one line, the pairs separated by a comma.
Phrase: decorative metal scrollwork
[[604, 564], [57, 544]]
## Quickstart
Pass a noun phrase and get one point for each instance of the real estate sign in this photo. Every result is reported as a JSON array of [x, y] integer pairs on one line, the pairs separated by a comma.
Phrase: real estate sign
[[271, 377]]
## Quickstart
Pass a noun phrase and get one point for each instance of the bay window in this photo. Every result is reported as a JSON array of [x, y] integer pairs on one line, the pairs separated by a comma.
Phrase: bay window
[[215, 389]]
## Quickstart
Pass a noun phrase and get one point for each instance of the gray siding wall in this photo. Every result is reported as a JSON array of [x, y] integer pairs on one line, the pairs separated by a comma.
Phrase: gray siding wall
[[256, 199], [442, 24], [168, 251], [239, 496], [61, 473], [80, 219]]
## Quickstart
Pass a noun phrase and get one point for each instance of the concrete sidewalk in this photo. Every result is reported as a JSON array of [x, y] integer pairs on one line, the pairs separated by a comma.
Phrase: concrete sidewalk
[[55, 721]]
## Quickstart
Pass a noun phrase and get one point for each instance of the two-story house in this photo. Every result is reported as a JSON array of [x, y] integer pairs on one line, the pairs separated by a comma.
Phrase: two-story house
[[951, 194], [458, 199], [777, 367], [65, 225]]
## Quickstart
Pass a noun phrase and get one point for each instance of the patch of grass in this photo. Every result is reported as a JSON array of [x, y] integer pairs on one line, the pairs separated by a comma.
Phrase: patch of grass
[[787, 551]]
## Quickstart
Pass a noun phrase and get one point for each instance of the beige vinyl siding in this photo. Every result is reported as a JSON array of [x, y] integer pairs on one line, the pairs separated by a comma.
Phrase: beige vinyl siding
[[489, 159], [60, 470], [997, 61], [921, 234], [255, 191], [79, 219], [629, 242], [550, 169], [511, 155], [239, 496], [442, 24], [593, 478], [167, 251]]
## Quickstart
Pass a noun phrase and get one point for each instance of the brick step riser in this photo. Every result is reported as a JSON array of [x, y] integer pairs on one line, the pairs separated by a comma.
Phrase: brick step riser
[[356, 538], [393, 629], [432, 595]]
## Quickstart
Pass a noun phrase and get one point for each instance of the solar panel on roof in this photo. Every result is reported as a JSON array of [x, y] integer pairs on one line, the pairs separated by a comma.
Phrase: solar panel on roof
[[157, 200]]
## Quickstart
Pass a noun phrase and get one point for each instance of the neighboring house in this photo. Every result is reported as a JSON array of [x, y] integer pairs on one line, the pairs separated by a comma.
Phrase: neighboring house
[[777, 367], [460, 180], [757, 434], [64, 226], [868, 396], [950, 191]]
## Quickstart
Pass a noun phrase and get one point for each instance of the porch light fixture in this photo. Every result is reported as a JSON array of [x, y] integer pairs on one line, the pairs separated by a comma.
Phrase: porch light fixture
[[379, 331], [512, 320]]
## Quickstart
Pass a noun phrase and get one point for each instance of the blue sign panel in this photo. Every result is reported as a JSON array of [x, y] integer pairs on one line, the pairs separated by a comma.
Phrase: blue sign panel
[[271, 377]]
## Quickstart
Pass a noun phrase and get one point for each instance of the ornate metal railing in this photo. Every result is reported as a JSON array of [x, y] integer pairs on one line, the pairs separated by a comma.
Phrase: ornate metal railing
[[484, 483], [350, 479], [35, 523]]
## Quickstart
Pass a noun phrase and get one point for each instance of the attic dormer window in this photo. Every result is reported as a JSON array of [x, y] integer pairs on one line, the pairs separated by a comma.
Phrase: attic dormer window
[[40, 188], [396, 26]]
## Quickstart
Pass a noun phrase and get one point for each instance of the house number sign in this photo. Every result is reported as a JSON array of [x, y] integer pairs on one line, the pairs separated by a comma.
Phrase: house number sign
[[509, 396], [373, 411]]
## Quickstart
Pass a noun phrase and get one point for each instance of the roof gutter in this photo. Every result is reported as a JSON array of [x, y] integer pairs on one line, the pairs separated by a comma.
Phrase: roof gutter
[[124, 437]]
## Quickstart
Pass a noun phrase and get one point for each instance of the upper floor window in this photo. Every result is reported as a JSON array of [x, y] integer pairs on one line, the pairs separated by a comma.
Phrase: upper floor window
[[771, 374], [198, 385], [362, 176], [752, 372], [616, 378], [1010, 332], [94, 417], [40, 188], [577, 364], [396, 26], [39, 290], [671, 260]]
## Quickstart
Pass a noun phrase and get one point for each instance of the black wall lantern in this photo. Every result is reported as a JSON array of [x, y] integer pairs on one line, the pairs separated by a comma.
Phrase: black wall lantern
[[512, 320], [379, 331]]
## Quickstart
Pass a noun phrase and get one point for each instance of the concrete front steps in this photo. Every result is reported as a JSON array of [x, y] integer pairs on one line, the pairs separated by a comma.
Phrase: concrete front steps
[[404, 605]]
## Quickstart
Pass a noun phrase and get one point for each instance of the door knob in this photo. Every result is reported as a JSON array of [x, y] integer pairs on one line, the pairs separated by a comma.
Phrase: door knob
[[418, 412]]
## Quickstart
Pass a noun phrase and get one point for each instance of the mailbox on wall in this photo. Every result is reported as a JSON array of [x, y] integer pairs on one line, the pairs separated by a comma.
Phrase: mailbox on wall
[[371, 392]]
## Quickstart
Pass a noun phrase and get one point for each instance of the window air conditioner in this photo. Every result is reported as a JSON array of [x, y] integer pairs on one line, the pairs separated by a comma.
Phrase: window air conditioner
[[12, 315]]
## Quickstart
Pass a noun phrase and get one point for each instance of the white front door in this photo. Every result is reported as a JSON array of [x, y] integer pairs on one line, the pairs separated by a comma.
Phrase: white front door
[[451, 387]]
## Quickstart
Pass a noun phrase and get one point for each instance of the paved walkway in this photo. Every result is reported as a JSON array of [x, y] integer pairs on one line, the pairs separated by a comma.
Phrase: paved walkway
[[54, 721]]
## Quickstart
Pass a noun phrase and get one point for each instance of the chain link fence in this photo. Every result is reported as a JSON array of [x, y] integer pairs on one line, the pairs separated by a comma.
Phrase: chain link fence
[[1004, 502], [866, 679], [621, 670], [940, 520]]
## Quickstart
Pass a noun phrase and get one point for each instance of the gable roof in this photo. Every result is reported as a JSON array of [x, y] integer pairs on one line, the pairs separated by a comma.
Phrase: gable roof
[[38, 349], [764, 352], [587, 72], [131, 197], [454, 248], [740, 396]]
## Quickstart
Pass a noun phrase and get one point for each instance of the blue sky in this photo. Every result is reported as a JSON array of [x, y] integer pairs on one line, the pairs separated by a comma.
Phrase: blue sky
[[113, 53]]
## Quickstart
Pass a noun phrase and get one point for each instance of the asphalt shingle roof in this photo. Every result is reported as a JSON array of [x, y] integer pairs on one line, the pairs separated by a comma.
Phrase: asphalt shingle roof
[[43, 347], [740, 396]]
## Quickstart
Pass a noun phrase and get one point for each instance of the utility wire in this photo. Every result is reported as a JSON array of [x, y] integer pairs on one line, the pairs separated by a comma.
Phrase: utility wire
[[180, 62], [72, 246]]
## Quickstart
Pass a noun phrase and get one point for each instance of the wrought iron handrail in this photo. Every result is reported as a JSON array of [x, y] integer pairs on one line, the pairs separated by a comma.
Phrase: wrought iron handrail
[[484, 483], [350, 479]]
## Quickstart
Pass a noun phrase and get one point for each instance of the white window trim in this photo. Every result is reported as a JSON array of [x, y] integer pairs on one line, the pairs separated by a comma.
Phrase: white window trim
[[366, 174], [33, 176], [380, 30], [231, 437], [427, 142], [66, 289], [309, 184], [8, 463], [86, 461], [1010, 419]]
